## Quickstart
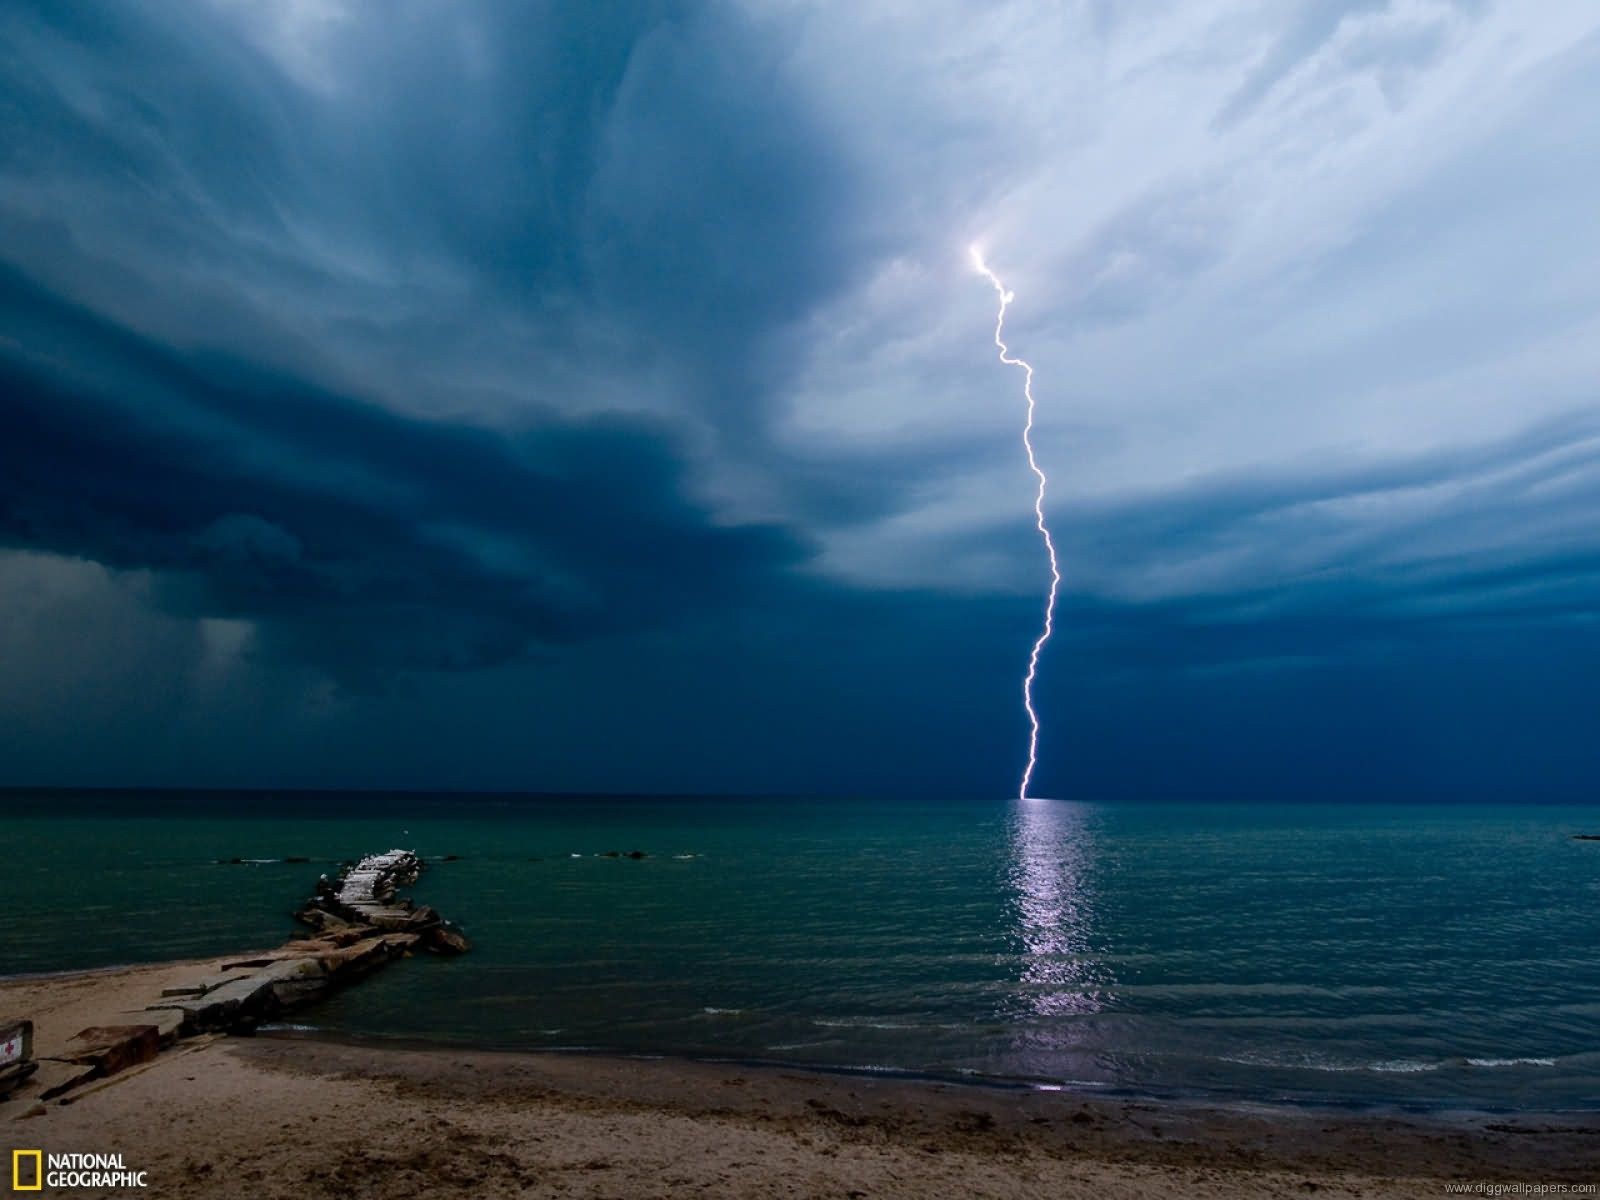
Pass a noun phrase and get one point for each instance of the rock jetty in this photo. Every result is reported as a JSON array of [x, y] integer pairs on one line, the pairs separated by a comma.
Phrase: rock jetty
[[363, 898], [359, 924]]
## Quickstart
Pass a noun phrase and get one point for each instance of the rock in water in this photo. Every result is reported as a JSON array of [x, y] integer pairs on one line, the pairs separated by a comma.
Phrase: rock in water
[[446, 939]]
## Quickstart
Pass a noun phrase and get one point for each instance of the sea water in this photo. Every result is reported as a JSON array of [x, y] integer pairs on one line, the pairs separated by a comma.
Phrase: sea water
[[1361, 953]]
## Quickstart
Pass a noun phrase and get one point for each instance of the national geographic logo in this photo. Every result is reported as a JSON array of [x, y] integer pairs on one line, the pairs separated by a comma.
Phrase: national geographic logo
[[27, 1165], [34, 1170], [27, 1170]]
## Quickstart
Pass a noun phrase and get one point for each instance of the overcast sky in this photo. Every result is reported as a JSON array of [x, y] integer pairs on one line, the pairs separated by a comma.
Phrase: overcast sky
[[601, 396]]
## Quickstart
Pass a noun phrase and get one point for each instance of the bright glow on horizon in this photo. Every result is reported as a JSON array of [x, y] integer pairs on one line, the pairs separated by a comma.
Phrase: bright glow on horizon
[[1006, 297]]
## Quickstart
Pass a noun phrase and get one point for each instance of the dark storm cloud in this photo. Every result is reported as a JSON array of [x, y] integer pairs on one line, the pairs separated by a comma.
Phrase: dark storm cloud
[[635, 167], [365, 539], [636, 172]]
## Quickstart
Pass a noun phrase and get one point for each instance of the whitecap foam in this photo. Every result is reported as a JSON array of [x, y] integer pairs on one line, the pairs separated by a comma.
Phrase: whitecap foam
[[1400, 1066], [1511, 1062]]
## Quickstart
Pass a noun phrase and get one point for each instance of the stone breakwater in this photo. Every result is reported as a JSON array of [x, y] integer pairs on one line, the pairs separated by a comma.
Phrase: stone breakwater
[[358, 923], [363, 899]]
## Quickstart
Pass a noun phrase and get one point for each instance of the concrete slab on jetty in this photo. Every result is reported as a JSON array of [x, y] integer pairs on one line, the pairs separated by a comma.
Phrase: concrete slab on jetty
[[199, 987], [167, 1021], [113, 1048]]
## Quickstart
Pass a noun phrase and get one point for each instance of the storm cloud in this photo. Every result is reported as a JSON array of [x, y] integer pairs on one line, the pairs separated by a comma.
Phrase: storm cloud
[[563, 396]]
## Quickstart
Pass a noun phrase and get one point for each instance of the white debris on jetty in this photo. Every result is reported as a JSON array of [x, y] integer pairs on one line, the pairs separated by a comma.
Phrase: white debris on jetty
[[369, 887], [364, 897]]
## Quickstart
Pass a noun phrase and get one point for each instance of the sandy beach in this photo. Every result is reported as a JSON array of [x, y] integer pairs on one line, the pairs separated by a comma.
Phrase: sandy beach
[[297, 1117]]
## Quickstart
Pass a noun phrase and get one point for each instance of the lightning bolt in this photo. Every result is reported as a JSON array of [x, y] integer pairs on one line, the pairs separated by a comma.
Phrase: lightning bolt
[[1006, 297]]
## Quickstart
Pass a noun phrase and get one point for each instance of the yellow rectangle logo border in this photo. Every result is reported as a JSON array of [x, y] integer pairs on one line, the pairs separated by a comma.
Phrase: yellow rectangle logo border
[[18, 1157]]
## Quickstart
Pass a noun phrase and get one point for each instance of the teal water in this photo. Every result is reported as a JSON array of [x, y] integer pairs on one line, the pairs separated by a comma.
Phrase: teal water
[[1427, 955]]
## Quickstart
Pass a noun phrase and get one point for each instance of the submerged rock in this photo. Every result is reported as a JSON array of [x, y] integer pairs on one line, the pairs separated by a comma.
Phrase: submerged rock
[[445, 938]]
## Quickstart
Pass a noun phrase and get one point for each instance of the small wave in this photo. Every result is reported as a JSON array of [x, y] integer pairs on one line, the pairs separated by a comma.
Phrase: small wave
[[863, 1024], [680, 857], [1394, 1066], [721, 1012], [253, 862]]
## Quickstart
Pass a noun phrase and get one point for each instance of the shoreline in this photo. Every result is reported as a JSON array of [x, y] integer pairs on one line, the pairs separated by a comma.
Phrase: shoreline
[[331, 1115], [1219, 1099], [289, 1030]]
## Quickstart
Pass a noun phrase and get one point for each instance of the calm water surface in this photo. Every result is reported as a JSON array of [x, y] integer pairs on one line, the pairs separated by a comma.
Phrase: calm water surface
[[1431, 955]]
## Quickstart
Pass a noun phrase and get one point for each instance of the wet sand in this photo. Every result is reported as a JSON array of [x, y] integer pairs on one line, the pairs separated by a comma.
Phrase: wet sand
[[294, 1117]]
